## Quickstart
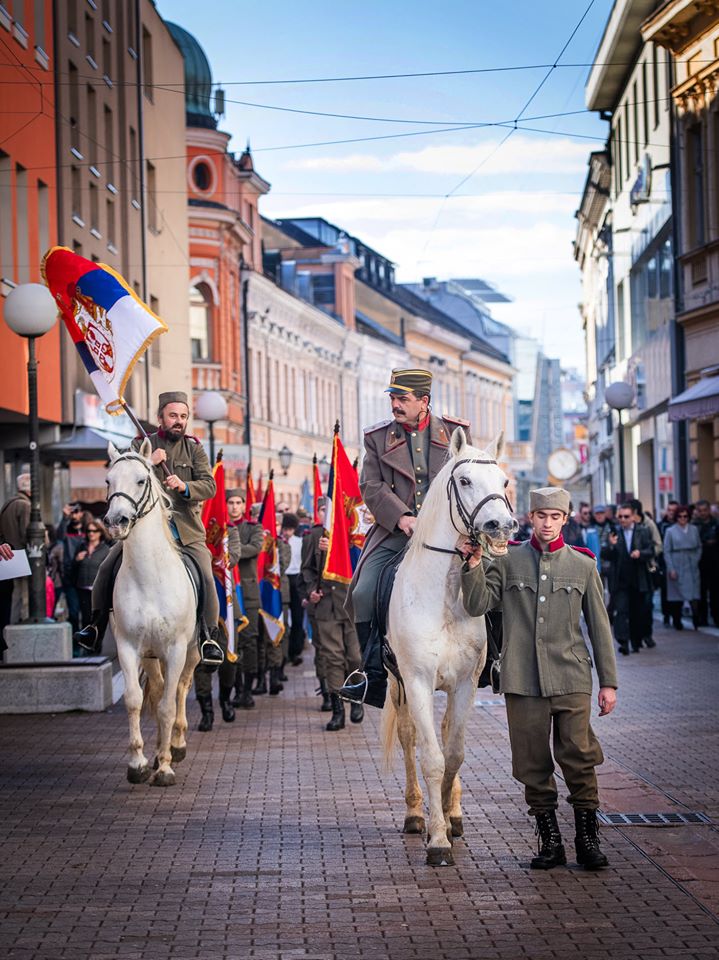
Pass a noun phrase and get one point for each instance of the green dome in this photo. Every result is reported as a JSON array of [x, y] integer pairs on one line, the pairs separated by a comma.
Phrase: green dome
[[198, 79]]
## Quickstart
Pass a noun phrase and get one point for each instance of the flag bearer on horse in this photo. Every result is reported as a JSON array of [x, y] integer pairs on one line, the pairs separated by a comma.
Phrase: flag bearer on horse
[[402, 457], [189, 484]]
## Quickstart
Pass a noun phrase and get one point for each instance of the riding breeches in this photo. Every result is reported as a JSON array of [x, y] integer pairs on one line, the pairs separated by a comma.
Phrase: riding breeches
[[364, 592], [105, 580]]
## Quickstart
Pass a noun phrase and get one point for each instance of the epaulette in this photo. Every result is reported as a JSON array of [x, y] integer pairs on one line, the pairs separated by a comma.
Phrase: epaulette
[[378, 426], [189, 436], [515, 543], [582, 550], [457, 420]]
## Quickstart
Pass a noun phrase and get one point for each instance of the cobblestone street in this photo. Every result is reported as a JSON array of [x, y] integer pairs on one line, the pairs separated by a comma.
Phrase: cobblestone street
[[283, 841]]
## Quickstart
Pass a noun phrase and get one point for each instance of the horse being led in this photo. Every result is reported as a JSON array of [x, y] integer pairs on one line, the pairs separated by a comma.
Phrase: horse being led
[[437, 645], [154, 612]]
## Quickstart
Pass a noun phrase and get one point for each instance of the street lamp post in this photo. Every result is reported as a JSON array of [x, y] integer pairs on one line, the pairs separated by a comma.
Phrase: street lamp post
[[211, 406], [324, 466], [620, 396], [30, 311]]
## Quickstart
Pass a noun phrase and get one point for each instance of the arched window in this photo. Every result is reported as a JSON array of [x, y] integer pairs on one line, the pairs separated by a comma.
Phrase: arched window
[[200, 301]]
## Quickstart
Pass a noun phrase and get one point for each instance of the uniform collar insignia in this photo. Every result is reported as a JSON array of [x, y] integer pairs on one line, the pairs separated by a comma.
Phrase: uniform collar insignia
[[553, 546], [422, 425]]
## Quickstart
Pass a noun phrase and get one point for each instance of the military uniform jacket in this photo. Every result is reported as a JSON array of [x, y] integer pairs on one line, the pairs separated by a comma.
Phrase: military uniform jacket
[[541, 595], [187, 460], [332, 604], [251, 537], [284, 552], [390, 468]]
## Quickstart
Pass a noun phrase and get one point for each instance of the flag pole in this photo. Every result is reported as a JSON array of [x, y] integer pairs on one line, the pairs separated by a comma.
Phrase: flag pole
[[131, 414]]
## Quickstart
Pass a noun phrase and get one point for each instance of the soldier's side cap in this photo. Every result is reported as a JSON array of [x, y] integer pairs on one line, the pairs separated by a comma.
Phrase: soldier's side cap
[[549, 498], [408, 381], [173, 396], [234, 492]]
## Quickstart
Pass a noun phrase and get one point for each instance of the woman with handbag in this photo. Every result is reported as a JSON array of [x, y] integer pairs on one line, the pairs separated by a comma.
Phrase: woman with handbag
[[682, 553]]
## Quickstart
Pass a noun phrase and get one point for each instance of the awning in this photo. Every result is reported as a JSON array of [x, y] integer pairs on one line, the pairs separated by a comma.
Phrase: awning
[[699, 400], [84, 443]]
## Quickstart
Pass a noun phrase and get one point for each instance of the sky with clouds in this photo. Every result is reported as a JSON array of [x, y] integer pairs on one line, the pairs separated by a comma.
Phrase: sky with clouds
[[464, 174]]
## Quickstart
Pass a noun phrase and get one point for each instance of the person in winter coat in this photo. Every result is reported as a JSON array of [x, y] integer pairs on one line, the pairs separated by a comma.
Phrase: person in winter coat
[[87, 562], [682, 553]]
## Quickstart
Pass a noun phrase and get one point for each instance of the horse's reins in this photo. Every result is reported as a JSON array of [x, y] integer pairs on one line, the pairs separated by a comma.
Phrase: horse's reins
[[465, 515], [142, 508]]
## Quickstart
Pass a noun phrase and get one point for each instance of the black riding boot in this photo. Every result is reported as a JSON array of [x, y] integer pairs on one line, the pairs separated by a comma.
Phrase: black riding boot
[[324, 690], [244, 699], [551, 851], [211, 653], [372, 687], [228, 711], [586, 841], [275, 685], [260, 686], [337, 721], [90, 637], [356, 712], [208, 715]]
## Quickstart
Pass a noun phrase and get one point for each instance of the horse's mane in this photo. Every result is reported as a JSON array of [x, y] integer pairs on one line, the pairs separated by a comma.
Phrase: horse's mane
[[437, 494]]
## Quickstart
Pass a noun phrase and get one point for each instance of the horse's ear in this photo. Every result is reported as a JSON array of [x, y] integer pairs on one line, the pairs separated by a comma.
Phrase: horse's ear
[[112, 452], [146, 449], [458, 442], [499, 446]]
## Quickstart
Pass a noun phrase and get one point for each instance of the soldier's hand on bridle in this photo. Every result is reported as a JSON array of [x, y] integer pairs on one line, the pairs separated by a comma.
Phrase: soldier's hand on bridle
[[173, 482], [472, 553], [158, 456]]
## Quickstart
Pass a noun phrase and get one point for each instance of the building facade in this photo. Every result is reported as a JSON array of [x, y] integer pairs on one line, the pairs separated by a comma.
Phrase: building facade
[[689, 31]]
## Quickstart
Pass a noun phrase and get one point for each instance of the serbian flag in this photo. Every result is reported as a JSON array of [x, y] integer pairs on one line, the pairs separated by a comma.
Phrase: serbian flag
[[214, 519], [251, 496], [109, 324], [268, 569], [316, 489], [344, 496]]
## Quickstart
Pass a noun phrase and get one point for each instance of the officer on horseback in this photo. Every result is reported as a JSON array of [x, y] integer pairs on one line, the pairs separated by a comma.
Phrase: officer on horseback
[[402, 457], [189, 484]]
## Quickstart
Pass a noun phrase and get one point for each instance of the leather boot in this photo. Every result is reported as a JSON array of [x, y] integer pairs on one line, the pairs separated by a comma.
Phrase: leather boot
[[208, 715], [228, 711], [356, 712], [90, 637], [551, 851], [260, 686], [275, 685], [324, 690], [283, 678], [337, 720], [372, 686], [586, 841], [211, 653], [244, 698]]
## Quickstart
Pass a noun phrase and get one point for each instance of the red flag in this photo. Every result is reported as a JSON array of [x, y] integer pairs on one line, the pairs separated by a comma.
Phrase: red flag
[[215, 521], [316, 489], [344, 495], [251, 496]]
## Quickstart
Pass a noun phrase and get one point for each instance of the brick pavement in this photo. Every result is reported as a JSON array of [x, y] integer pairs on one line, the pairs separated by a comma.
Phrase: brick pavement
[[282, 842]]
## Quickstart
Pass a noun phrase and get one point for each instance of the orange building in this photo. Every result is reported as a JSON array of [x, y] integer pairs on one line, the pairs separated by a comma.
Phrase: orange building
[[224, 236], [28, 224]]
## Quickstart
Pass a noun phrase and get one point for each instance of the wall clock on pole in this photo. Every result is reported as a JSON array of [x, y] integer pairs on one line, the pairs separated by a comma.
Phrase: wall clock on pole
[[562, 463]]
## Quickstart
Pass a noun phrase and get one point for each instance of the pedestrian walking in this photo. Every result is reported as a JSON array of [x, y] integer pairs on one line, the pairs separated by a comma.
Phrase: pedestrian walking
[[682, 553], [630, 551], [708, 529], [14, 520], [544, 587]]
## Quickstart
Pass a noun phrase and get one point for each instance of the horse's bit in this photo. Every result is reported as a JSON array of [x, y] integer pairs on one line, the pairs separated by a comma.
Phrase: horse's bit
[[465, 515], [142, 508]]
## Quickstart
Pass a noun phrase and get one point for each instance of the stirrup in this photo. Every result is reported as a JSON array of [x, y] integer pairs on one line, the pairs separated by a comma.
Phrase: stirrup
[[86, 643], [211, 653], [364, 679]]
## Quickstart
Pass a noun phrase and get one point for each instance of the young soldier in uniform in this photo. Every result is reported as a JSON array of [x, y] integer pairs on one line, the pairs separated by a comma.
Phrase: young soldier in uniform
[[402, 457], [251, 538], [543, 587], [189, 484]]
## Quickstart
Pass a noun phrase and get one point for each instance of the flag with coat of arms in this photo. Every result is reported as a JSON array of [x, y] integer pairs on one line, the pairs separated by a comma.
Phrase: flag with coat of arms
[[268, 569]]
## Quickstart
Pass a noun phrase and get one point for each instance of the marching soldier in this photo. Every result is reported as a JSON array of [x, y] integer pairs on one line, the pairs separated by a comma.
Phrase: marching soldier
[[251, 538], [189, 484], [402, 457], [336, 637]]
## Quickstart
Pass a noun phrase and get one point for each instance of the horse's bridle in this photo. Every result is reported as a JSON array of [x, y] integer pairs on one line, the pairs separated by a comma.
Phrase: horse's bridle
[[142, 506], [455, 501]]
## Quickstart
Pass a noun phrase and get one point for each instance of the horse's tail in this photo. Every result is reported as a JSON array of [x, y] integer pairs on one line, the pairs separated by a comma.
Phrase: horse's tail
[[388, 728]]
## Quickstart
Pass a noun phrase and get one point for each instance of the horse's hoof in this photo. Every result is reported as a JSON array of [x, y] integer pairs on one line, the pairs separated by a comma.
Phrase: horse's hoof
[[439, 857], [457, 826], [178, 754], [413, 825], [163, 778], [138, 774]]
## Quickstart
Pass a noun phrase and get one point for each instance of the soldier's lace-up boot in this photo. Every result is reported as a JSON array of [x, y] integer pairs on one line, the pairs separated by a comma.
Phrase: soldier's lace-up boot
[[337, 720], [326, 706], [208, 714], [260, 687], [551, 850], [586, 841], [228, 711], [244, 699]]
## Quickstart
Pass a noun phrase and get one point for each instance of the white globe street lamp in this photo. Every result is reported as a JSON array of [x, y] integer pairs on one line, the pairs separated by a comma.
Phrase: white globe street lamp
[[211, 406], [620, 396], [30, 312]]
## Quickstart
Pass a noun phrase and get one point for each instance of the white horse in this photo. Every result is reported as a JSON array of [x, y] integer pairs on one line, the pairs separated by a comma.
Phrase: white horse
[[154, 612], [437, 645]]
